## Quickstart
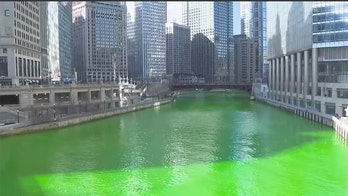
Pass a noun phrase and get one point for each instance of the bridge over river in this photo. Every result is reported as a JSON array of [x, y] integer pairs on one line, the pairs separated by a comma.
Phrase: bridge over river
[[210, 86]]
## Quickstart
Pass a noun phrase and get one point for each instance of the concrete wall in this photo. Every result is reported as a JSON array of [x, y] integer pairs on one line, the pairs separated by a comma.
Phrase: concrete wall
[[79, 120]]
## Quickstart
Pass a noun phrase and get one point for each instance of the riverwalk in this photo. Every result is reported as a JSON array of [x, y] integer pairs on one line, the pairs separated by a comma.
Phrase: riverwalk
[[29, 127], [339, 124]]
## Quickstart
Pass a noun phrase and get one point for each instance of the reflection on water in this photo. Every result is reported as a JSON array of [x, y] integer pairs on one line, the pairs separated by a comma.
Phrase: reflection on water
[[202, 144]]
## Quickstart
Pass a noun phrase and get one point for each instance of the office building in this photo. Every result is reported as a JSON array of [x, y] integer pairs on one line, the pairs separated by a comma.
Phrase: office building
[[178, 50], [245, 59], [132, 49], [214, 21], [308, 52], [150, 37], [258, 30], [100, 41], [56, 40], [20, 42]]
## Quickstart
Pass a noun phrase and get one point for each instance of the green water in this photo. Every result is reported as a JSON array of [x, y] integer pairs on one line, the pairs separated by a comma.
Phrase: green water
[[202, 144]]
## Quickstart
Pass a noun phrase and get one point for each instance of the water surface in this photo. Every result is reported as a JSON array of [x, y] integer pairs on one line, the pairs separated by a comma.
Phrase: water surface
[[202, 144]]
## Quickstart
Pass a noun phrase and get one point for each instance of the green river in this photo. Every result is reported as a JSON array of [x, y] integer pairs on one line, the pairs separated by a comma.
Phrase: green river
[[201, 144]]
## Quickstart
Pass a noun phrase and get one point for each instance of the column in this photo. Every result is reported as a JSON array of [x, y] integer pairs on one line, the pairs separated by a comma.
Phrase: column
[[277, 79], [274, 79], [292, 81], [305, 82], [269, 76], [286, 76], [298, 77], [73, 96], [282, 78], [52, 97], [314, 73]]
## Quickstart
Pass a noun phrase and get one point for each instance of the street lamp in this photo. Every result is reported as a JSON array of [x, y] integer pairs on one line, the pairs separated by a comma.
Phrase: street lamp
[[17, 116], [54, 111]]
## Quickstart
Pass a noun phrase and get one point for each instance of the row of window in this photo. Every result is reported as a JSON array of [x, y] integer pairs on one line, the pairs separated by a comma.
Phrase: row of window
[[27, 67]]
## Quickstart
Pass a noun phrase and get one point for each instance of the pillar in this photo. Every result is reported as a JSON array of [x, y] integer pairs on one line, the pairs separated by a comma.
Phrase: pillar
[[292, 81], [286, 90], [305, 82], [314, 73], [299, 84], [277, 78], [282, 78]]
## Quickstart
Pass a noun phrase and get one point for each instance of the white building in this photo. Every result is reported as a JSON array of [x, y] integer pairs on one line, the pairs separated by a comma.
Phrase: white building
[[100, 40], [20, 42]]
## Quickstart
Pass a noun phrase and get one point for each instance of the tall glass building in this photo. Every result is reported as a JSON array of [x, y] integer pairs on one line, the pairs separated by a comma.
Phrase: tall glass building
[[308, 54], [214, 20], [100, 41], [150, 37], [65, 39], [56, 23], [258, 30]]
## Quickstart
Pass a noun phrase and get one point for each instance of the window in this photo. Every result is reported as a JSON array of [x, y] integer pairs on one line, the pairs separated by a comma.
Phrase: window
[[4, 50], [7, 12]]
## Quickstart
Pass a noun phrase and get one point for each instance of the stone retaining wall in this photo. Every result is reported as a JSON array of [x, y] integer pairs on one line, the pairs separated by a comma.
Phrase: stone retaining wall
[[79, 120]]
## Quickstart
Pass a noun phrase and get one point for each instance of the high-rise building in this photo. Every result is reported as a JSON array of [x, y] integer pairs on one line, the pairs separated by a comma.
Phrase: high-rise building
[[150, 36], [20, 42], [100, 40], [258, 30], [214, 20], [254, 24], [178, 55], [308, 52], [56, 45], [65, 39], [245, 14], [245, 58], [132, 49]]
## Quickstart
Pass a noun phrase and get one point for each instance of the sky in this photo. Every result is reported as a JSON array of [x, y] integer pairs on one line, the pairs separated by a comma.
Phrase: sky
[[174, 13]]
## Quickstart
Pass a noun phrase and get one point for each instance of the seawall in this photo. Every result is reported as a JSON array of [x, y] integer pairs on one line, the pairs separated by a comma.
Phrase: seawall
[[339, 125], [82, 119]]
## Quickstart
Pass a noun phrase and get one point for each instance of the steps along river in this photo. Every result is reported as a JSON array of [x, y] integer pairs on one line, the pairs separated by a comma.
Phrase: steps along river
[[201, 144]]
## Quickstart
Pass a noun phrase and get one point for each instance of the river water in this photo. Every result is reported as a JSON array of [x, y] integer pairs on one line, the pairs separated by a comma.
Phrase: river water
[[201, 144]]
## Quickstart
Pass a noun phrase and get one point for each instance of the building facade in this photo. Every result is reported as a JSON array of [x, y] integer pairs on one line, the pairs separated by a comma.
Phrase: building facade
[[65, 39], [214, 20], [20, 50], [150, 37], [132, 50], [245, 14], [56, 40], [245, 59], [308, 55], [258, 30], [178, 49], [100, 41]]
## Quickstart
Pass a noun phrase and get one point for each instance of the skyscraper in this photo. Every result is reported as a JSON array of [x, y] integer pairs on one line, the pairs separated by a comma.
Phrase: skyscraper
[[56, 27], [258, 30], [65, 39], [132, 50], [308, 52], [254, 24], [245, 58], [214, 20], [178, 55], [245, 12], [150, 37], [100, 40], [20, 42]]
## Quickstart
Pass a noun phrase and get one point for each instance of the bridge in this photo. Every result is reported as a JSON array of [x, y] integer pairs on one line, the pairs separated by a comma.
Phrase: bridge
[[210, 86]]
